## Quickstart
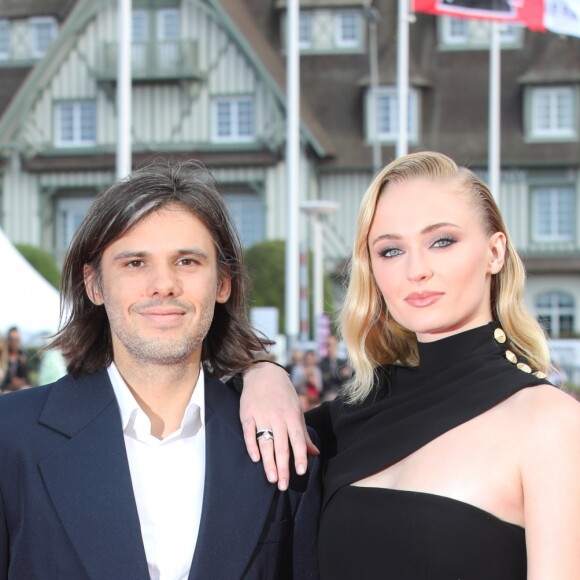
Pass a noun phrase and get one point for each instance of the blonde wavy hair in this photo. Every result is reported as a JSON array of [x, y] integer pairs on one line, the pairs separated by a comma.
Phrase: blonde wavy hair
[[372, 337]]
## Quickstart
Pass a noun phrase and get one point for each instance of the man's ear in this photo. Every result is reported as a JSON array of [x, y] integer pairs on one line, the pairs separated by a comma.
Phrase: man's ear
[[224, 289], [497, 246], [92, 286]]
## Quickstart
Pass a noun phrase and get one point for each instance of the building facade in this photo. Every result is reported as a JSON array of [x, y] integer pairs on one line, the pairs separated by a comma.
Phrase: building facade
[[209, 83]]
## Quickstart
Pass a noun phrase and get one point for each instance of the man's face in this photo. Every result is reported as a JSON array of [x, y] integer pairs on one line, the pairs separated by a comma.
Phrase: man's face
[[159, 284], [13, 341]]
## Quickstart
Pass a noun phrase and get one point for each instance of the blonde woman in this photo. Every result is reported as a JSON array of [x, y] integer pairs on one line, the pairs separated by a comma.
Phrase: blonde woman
[[448, 454]]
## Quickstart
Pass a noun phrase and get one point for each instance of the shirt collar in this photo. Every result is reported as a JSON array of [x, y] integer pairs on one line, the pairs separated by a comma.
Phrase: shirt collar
[[136, 423]]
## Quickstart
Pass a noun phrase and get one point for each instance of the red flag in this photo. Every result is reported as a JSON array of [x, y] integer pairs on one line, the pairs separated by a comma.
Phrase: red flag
[[529, 13]]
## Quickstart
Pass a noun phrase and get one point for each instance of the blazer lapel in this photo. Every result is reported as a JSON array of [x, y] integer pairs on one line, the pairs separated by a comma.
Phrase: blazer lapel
[[236, 497], [88, 478]]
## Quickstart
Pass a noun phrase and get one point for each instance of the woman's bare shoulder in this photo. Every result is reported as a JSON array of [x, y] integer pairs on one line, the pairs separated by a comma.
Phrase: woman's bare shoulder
[[547, 416]]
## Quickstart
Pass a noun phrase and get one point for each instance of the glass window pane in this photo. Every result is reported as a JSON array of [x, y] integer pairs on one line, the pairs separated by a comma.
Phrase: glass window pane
[[553, 111], [88, 128], [42, 31], [245, 118], [458, 28], [140, 25], [546, 322], [555, 311], [66, 122], [223, 119], [248, 213], [566, 324], [168, 24], [305, 29]]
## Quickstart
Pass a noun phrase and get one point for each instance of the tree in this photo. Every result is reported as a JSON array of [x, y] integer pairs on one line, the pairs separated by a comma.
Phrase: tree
[[42, 262], [265, 264]]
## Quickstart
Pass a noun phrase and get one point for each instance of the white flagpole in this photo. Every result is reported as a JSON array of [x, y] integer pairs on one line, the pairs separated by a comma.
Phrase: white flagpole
[[123, 157], [403, 77], [292, 290], [494, 145]]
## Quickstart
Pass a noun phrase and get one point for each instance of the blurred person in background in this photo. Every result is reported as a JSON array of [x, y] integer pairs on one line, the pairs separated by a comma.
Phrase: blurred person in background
[[16, 370], [306, 377], [294, 366], [3, 357], [335, 371]]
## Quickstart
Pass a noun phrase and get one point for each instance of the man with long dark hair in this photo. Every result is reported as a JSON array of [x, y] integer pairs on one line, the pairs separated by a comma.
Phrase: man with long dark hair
[[133, 465]]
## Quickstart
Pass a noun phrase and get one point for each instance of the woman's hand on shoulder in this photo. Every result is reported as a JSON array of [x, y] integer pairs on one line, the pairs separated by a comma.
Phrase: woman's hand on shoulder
[[269, 401], [550, 471]]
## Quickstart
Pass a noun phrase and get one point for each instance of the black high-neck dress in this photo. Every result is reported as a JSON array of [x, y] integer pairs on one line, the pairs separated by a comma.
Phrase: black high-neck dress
[[376, 533]]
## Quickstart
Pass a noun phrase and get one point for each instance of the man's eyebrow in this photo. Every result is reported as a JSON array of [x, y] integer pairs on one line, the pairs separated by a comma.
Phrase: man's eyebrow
[[139, 254], [425, 230]]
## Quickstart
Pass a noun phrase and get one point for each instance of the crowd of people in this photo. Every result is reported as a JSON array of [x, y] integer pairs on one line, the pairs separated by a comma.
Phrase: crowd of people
[[317, 379]]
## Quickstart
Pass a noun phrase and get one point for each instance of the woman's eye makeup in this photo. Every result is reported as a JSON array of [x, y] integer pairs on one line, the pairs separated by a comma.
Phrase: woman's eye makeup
[[390, 252], [443, 242], [439, 242]]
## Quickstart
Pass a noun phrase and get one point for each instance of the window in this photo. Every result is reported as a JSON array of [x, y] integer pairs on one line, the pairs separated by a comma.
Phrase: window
[[475, 34], [348, 29], [553, 113], [4, 39], [42, 32], [248, 213], [555, 311], [155, 40], [75, 123], [509, 33], [455, 30], [553, 214], [233, 119], [386, 117], [168, 37], [70, 212], [305, 29]]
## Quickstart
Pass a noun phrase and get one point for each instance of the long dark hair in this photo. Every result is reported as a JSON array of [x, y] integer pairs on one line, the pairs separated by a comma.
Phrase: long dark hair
[[85, 336]]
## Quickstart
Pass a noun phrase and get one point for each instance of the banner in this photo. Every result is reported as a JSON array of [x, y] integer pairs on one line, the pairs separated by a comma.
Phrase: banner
[[559, 16], [562, 16]]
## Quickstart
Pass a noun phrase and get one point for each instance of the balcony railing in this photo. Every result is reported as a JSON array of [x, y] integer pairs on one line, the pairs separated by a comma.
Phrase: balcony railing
[[152, 61]]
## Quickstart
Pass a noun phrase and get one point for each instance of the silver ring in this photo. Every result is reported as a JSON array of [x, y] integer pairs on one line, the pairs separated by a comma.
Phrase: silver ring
[[264, 434]]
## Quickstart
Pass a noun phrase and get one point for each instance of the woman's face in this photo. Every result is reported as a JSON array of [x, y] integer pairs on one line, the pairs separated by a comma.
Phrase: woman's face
[[432, 259]]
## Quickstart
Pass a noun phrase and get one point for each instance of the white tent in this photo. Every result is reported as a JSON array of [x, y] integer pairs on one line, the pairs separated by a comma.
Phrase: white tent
[[27, 300]]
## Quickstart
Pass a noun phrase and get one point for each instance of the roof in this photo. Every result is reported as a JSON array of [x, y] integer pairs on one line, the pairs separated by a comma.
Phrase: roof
[[27, 8], [558, 62]]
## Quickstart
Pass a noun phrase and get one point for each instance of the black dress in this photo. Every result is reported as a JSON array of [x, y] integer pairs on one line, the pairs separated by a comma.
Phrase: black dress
[[375, 533]]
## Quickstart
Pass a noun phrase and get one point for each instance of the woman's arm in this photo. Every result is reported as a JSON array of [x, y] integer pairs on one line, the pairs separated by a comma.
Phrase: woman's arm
[[269, 401], [551, 485]]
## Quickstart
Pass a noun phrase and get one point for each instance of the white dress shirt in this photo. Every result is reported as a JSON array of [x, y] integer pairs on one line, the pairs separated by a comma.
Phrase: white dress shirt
[[168, 480]]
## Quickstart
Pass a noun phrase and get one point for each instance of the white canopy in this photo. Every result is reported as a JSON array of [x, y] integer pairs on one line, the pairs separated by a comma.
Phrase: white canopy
[[27, 300]]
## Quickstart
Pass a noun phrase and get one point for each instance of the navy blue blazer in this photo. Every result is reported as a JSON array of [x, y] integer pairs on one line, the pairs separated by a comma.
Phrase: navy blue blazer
[[67, 508]]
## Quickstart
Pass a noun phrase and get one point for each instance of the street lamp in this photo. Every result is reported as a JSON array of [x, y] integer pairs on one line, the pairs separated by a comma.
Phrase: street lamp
[[315, 209]]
